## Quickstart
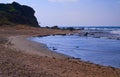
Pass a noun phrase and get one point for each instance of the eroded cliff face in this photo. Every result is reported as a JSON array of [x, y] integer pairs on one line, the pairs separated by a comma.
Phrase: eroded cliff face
[[17, 14]]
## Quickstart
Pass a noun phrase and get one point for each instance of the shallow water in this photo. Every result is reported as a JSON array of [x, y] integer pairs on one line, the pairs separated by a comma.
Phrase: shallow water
[[97, 50]]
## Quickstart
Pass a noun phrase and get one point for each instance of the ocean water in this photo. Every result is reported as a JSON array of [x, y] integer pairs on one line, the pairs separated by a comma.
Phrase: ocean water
[[111, 29], [96, 50]]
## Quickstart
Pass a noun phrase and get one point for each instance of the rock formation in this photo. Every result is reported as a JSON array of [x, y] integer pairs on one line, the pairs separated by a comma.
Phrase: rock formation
[[17, 14]]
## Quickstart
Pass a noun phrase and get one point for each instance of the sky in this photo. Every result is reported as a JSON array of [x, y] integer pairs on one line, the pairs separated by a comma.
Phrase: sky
[[74, 12]]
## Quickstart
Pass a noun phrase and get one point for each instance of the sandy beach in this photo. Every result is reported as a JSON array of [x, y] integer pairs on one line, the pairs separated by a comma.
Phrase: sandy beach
[[20, 57], [21, 43]]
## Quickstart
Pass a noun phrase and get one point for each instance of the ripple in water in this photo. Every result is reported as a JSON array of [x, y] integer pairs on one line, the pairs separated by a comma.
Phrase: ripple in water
[[97, 50]]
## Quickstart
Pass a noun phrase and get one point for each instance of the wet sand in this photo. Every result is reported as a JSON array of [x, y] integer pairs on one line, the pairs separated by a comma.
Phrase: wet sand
[[21, 43], [20, 57]]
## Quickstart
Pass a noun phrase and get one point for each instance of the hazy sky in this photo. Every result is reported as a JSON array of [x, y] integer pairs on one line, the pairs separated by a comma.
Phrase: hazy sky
[[74, 12]]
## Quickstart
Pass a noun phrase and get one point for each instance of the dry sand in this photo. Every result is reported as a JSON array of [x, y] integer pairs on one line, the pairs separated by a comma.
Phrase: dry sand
[[20, 57]]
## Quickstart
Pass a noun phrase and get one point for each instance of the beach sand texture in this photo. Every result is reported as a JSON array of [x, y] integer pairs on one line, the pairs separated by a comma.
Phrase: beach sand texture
[[20, 57]]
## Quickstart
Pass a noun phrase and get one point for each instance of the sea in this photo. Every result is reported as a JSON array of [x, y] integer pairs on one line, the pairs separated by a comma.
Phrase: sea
[[100, 51], [110, 29]]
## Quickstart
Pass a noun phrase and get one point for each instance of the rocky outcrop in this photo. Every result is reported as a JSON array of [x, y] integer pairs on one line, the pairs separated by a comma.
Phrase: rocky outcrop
[[17, 14]]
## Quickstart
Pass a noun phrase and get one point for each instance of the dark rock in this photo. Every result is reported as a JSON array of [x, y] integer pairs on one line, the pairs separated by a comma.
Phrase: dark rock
[[54, 48], [86, 34], [55, 27], [77, 46], [17, 14]]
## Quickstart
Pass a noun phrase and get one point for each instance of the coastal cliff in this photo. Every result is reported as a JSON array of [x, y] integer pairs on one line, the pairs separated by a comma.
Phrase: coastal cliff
[[13, 14]]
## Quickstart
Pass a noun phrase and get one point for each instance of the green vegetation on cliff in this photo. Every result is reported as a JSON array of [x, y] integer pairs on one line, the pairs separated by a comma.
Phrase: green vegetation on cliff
[[17, 14]]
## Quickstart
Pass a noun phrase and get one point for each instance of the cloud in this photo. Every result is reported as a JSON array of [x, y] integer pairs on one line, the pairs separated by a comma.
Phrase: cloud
[[63, 0]]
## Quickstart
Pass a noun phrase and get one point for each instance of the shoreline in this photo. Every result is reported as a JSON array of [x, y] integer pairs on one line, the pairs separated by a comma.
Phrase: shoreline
[[24, 45], [52, 50], [27, 58], [21, 43], [40, 49]]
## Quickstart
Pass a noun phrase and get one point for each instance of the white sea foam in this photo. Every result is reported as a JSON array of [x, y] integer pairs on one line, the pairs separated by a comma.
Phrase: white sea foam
[[115, 32]]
